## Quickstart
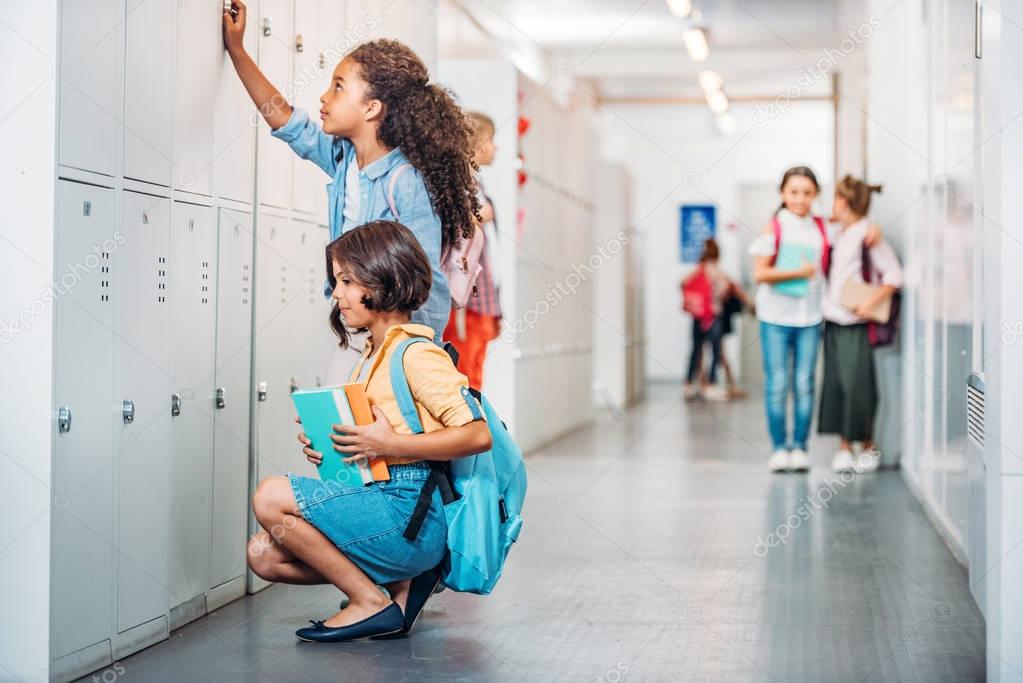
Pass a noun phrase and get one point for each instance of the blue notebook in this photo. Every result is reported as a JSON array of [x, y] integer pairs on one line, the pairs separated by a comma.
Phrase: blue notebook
[[792, 257], [320, 409]]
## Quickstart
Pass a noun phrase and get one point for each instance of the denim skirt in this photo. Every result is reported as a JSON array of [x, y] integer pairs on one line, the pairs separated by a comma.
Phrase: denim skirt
[[366, 523]]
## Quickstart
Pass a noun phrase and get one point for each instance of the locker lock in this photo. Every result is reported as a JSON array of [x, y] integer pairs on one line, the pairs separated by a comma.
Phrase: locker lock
[[294, 385], [219, 397], [299, 43], [175, 405], [128, 411], [319, 382], [267, 23], [261, 391], [321, 62], [63, 419]]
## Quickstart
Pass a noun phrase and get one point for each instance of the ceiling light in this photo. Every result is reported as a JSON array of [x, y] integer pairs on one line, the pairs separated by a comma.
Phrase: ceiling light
[[680, 8], [696, 44], [726, 123], [710, 80], [717, 101]]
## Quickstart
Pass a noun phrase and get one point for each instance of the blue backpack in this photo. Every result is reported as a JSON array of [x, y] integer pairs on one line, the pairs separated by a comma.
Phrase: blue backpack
[[482, 494]]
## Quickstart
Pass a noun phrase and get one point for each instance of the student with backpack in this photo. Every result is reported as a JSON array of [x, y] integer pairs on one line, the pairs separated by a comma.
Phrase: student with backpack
[[849, 391], [704, 293], [792, 258], [396, 147], [411, 532]]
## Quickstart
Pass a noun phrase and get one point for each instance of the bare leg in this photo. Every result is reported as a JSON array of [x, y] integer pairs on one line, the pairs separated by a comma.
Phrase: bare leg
[[273, 562], [399, 592], [274, 505], [845, 444]]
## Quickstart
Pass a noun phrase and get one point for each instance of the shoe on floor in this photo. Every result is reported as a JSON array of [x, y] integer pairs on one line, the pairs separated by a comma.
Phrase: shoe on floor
[[715, 393], [868, 461], [842, 461], [690, 393], [779, 461], [799, 461], [419, 591], [388, 620]]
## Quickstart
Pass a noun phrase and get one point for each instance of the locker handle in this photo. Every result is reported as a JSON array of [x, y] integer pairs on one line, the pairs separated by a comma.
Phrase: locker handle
[[267, 26], [63, 419], [294, 385], [175, 405], [219, 398], [128, 411], [261, 391], [299, 43]]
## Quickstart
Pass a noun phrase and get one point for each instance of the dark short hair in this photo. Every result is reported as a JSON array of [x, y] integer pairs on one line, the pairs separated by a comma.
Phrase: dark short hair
[[385, 258]]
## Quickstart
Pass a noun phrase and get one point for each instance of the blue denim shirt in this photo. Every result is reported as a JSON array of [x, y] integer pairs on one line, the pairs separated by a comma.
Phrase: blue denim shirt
[[333, 154]]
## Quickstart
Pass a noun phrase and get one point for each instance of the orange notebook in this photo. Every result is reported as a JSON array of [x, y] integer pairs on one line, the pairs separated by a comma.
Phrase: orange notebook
[[363, 414]]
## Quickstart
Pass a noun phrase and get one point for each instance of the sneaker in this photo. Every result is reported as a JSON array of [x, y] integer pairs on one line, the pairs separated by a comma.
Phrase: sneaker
[[715, 393], [842, 462], [868, 461], [690, 393], [779, 460], [799, 461]]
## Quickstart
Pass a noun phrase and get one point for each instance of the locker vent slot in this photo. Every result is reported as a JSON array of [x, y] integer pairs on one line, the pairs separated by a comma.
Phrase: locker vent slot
[[205, 286], [161, 282], [104, 284], [975, 415]]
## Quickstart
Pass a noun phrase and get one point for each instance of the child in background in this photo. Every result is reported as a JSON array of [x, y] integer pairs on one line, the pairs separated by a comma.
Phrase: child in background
[[352, 536], [849, 392], [708, 325], [386, 132], [470, 329]]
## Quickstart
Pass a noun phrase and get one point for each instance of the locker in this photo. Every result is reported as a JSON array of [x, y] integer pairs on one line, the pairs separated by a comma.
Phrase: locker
[[143, 356], [89, 63], [197, 65], [276, 44], [234, 133], [83, 570], [148, 89], [310, 79], [193, 252], [310, 359], [231, 397]]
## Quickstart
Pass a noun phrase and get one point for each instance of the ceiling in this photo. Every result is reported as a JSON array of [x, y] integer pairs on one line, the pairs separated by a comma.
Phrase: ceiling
[[633, 49]]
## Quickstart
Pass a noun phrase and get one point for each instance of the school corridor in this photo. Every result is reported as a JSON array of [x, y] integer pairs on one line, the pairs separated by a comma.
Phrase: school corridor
[[642, 226], [645, 557]]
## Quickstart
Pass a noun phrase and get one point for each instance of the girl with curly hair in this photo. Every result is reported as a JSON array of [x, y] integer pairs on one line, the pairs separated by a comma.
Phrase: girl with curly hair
[[396, 146]]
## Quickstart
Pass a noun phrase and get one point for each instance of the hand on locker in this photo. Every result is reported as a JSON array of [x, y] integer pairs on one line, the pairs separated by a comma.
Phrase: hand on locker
[[234, 27], [315, 457]]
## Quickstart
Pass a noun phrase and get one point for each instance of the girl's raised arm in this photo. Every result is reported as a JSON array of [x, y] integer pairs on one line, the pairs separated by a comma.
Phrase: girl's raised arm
[[270, 102]]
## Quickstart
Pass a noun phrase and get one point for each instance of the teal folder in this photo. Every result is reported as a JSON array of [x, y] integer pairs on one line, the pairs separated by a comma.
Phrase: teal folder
[[320, 409], [792, 257]]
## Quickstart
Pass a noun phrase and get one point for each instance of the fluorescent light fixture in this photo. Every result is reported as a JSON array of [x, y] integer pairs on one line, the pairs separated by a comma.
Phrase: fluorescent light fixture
[[726, 123], [696, 44], [717, 101], [680, 8], [710, 81]]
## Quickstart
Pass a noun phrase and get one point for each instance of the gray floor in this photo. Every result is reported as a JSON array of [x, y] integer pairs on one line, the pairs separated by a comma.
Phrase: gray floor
[[641, 561]]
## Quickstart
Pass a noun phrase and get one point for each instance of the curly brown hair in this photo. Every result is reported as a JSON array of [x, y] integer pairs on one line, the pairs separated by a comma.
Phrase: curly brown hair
[[385, 258], [423, 120]]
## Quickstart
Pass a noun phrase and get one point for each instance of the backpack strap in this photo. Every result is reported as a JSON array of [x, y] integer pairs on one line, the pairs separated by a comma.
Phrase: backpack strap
[[825, 245], [391, 184], [776, 228], [866, 267]]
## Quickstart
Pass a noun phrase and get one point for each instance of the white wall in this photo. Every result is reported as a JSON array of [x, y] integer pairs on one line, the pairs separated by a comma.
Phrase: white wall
[[27, 170], [675, 155]]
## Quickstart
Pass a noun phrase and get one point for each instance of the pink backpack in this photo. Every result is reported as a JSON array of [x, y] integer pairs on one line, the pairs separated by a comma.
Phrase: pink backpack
[[461, 266]]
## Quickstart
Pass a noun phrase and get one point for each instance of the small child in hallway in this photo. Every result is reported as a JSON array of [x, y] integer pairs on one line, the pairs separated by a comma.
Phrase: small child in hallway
[[849, 392], [472, 328]]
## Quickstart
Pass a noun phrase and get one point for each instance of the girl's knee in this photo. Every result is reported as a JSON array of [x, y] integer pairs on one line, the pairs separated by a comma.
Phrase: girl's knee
[[259, 555], [271, 497]]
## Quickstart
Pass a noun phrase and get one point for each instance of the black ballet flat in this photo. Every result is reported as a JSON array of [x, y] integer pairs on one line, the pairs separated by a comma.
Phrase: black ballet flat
[[386, 621], [419, 591]]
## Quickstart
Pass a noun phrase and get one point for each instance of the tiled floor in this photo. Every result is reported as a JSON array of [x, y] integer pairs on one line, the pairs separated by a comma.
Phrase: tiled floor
[[657, 548]]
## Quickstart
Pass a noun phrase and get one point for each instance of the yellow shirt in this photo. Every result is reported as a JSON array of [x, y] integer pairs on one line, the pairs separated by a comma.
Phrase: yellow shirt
[[435, 383]]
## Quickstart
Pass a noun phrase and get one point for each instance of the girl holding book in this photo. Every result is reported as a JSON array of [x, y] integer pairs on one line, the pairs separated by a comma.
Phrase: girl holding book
[[792, 257], [849, 392], [352, 536]]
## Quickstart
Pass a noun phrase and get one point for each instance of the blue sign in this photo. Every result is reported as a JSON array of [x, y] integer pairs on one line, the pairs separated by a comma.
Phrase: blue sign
[[698, 223]]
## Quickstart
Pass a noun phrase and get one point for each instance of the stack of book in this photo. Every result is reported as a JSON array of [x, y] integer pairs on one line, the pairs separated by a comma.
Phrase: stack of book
[[322, 408]]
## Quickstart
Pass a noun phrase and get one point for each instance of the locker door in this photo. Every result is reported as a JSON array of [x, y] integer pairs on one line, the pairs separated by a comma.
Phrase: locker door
[[310, 81], [197, 64], [193, 246], [333, 43], [312, 356], [234, 133], [143, 443], [84, 536], [231, 424], [278, 286], [276, 44], [148, 84], [90, 53]]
